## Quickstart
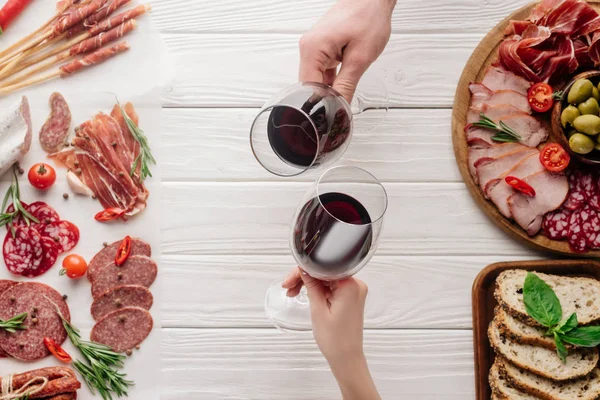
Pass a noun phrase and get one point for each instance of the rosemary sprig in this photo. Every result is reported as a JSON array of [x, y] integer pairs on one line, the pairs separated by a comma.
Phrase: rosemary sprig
[[13, 194], [504, 132], [99, 370], [14, 324], [145, 158], [558, 95]]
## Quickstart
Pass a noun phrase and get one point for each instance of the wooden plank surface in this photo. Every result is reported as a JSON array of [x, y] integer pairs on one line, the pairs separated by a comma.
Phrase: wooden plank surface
[[268, 365]]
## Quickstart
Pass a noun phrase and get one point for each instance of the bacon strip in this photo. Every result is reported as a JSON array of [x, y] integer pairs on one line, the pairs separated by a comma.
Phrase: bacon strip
[[94, 58], [119, 19], [103, 38]]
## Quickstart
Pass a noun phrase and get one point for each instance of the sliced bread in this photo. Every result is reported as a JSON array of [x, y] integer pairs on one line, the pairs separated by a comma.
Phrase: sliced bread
[[501, 389], [542, 361], [520, 332], [587, 388], [580, 295]]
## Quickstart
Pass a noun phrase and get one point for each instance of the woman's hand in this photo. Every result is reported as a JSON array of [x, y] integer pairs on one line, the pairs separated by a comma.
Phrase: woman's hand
[[353, 33], [337, 313]]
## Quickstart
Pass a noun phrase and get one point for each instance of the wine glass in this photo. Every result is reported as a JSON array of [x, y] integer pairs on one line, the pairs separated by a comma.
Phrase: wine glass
[[309, 125], [334, 234]]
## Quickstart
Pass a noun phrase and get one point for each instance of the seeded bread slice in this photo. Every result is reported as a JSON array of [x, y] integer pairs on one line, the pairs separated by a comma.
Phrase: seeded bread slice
[[587, 388], [542, 361], [501, 390], [520, 332], [580, 295]]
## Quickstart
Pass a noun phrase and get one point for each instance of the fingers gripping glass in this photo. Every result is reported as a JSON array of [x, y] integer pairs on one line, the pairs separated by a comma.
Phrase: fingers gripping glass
[[307, 125], [335, 232]]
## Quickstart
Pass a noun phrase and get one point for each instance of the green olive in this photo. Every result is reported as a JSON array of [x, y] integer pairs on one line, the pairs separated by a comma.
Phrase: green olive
[[568, 115], [590, 106], [581, 144], [588, 124], [580, 91], [596, 94]]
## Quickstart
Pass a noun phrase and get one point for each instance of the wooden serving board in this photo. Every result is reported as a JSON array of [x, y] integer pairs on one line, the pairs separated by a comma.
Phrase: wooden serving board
[[484, 55], [483, 302]]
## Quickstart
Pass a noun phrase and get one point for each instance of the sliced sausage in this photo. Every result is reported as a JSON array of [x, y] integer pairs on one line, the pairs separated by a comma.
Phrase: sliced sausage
[[123, 329], [107, 255], [137, 270], [120, 297], [55, 131]]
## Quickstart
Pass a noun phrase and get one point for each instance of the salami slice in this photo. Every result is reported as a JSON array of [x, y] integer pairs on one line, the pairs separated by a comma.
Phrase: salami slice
[[586, 184], [120, 297], [24, 252], [556, 224], [137, 270], [18, 220], [123, 329], [5, 285], [591, 228], [53, 134], [107, 255], [40, 302], [51, 251], [575, 200], [577, 240], [43, 213], [64, 233]]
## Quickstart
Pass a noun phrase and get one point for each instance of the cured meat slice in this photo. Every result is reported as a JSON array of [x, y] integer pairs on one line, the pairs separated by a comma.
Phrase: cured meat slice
[[551, 191], [495, 113], [492, 170], [591, 226], [40, 302], [24, 252], [480, 155], [43, 213], [532, 130], [577, 240], [123, 329], [137, 270], [18, 220], [64, 233], [519, 101], [51, 252], [479, 138], [107, 255], [5, 285], [15, 134], [556, 224], [120, 297], [54, 132], [497, 78]]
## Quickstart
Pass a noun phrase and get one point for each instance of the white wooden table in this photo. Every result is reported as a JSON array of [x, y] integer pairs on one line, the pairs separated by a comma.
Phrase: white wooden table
[[225, 224]]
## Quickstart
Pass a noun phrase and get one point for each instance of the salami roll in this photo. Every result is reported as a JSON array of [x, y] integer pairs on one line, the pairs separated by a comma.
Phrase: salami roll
[[24, 252], [61, 382], [40, 302], [123, 329], [107, 255], [120, 297], [137, 270], [18, 220], [53, 134], [43, 213], [64, 233]]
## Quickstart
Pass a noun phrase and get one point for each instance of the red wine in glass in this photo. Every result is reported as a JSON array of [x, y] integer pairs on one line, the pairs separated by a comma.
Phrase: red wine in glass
[[333, 234]]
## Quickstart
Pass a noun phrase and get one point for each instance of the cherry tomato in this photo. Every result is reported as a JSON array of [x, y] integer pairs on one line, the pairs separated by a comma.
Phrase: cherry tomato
[[41, 176], [57, 351], [540, 97], [74, 266], [123, 251], [520, 185], [554, 158], [109, 214]]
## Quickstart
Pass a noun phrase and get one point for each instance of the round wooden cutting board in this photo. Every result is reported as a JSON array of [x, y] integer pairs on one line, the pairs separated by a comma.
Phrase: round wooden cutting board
[[483, 56]]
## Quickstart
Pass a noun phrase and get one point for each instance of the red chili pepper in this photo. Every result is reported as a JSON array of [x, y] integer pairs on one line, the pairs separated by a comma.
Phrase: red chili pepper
[[123, 251], [11, 10], [520, 185], [109, 214], [57, 351]]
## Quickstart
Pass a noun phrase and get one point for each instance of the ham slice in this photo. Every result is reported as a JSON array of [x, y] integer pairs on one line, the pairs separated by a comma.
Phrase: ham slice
[[497, 78], [494, 112], [491, 169], [479, 99], [479, 138], [551, 191], [532, 130], [477, 156], [498, 191], [15, 134]]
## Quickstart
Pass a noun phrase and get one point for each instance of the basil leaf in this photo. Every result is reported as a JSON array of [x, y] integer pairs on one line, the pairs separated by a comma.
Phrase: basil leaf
[[561, 350], [540, 301], [567, 325], [583, 336]]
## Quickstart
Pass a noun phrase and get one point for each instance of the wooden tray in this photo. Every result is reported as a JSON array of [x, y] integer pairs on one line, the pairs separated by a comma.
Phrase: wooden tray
[[484, 304], [483, 56]]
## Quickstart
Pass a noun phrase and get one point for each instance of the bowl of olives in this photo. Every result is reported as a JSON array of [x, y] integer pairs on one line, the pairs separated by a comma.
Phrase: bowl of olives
[[576, 118]]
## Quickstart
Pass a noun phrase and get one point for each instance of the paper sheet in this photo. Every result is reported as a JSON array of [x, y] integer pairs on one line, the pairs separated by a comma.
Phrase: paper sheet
[[143, 367]]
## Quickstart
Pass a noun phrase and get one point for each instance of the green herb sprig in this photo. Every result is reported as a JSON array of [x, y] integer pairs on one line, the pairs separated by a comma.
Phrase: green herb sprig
[[13, 195], [542, 304], [14, 324], [504, 132], [145, 158], [99, 368]]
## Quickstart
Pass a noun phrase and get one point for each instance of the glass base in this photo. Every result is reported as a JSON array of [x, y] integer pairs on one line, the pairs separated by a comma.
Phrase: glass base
[[288, 314]]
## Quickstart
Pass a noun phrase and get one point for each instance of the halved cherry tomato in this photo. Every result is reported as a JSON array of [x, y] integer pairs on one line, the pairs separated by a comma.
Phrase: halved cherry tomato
[[41, 176], [123, 251], [109, 214], [540, 97], [57, 351], [554, 157], [520, 185], [74, 266]]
